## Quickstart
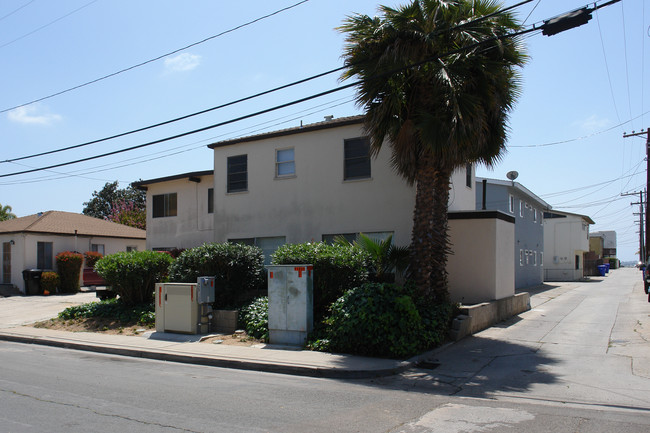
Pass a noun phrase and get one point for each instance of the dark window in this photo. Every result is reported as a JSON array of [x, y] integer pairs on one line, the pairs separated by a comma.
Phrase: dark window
[[468, 175], [210, 200], [164, 205], [44, 255], [238, 173], [356, 158]]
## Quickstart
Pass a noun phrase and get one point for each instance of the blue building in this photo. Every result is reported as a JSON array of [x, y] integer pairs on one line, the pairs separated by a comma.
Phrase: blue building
[[516, 200]]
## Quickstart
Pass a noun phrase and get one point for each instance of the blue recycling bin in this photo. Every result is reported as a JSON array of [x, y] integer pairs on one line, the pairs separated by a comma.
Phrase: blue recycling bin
[[606, 266], [602, 270]]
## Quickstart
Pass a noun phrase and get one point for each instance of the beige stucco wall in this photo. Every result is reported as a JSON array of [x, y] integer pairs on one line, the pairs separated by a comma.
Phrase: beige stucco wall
[[564, 239], [24, 251], [317, 200], [192, 225], [481, 267]]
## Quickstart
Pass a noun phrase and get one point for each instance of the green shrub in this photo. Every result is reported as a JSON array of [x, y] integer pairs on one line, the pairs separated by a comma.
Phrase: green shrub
[[133, 274], [50, 282], [237, 268], [381, 320], [255, 318], [337, 268], [115, 309], [68, 265], [92, 257]]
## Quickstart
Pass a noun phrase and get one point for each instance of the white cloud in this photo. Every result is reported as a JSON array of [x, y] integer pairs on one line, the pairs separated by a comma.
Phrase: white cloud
[[592, 123], [182, 62], [29, 114]]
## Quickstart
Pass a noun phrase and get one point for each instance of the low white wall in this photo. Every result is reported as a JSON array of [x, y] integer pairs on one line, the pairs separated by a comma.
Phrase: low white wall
[[482, 267]]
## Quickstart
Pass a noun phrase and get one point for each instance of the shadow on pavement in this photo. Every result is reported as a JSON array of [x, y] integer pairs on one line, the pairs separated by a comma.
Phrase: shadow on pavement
[[476, 367]]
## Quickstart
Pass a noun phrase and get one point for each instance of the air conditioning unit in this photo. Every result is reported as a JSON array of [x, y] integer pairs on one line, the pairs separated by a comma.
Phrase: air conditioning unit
[[185, 307]]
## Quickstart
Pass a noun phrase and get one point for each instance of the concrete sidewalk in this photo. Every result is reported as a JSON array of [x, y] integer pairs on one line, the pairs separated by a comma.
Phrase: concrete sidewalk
[[16, 312]]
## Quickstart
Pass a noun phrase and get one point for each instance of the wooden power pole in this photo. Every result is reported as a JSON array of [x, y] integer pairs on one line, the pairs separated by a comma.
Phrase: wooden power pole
[[647, 158]]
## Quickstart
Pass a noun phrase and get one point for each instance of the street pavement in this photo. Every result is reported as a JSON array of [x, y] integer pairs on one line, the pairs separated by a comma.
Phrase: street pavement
[[582, 343]]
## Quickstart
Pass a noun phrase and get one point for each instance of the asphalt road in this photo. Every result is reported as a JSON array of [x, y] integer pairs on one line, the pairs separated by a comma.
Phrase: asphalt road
[[579, 361]]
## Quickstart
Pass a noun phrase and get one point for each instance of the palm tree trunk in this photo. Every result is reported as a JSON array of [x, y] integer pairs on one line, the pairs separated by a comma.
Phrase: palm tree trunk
[[430, 243]]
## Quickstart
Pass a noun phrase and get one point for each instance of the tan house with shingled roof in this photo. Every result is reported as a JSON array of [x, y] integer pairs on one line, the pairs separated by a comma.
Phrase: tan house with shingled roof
[[32, 242]]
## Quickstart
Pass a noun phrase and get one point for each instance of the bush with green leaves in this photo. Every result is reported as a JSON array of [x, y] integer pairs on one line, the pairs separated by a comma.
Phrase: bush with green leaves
[[381, 320], [255, 318], [337, 268], [238, 269], [134, 274], [68, 266], [142, 314], [50, 282]]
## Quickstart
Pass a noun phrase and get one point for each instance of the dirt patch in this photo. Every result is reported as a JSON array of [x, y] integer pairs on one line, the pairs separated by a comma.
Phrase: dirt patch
[[105, 326], [115, 327]]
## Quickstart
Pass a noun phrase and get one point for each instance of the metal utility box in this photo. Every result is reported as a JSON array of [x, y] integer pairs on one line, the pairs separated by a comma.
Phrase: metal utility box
[[206, 290], [291, 303], [184, 307]]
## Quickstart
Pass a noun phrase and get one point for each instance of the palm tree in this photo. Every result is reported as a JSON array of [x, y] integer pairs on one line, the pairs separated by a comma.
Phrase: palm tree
[[385, 258], [437, 111], [5, 213]]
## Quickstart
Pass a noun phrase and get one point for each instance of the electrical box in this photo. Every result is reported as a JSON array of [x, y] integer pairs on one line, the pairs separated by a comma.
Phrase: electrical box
[[206, 290], [179, 307], [291, 303]]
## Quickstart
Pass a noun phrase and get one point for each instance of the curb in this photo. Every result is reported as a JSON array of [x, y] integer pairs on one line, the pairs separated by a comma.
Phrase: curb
[[294, 370]]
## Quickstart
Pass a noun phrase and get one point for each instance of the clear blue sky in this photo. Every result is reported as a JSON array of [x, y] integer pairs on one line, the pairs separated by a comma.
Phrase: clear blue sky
[[577, 84]]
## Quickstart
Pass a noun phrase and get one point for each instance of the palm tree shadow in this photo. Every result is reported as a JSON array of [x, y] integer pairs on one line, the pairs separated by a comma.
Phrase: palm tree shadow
[[477, 367]]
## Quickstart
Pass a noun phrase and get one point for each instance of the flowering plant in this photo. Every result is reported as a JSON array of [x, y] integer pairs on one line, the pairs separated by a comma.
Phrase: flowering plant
[[127, 212]]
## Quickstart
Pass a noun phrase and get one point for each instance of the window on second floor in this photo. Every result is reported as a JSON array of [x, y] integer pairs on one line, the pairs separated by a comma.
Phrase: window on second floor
[[237, 173], [285, 164], [164, 205], [468, 175], [356, 159], [210, 200], [512, 203]]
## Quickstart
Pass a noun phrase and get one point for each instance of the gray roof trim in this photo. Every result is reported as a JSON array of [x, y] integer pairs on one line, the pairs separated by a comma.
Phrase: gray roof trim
[[144, 183], [516, 185], [335, 123]]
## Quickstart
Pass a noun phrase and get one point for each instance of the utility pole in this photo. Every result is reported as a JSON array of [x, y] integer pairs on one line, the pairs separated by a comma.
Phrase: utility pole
[[647, 159], [642, 244]]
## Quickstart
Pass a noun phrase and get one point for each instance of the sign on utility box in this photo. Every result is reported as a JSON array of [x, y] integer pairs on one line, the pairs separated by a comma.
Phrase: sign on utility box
[[291, 303]]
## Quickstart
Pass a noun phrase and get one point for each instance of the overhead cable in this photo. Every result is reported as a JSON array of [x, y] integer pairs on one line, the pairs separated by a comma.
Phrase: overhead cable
[[150, 60]]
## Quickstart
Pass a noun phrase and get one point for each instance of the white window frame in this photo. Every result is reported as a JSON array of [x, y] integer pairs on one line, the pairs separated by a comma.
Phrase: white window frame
[[288, 163], [521, 208], [512, 203], [521, 257]]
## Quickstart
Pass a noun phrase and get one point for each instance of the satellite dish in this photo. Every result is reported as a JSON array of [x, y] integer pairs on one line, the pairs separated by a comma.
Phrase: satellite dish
[[512, 175]]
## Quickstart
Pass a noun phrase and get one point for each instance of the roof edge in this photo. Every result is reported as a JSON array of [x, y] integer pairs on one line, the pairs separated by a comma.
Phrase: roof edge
[[343, 121]]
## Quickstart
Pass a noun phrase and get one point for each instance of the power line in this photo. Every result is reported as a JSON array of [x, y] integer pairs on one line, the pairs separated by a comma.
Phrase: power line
[[16, 10], [304, 80], [154, 59], [554, 143], [277, 107], [44, 26]]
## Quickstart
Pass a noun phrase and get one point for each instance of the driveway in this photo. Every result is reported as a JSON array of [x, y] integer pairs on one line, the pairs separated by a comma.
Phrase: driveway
[[23, 310]]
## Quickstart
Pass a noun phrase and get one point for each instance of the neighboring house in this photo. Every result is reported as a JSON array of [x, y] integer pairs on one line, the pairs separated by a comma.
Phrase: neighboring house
[[180, 210], [566, 241], [32, 242], [314, 183], [604, 243], [513, 199]]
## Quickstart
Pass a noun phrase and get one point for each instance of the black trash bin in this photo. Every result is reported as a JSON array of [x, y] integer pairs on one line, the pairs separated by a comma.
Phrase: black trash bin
[[32, 279]]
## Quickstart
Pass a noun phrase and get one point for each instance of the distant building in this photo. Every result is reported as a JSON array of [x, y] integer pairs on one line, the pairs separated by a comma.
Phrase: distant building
[[566, 241], [33, 241], [513, 199], [604, 243]]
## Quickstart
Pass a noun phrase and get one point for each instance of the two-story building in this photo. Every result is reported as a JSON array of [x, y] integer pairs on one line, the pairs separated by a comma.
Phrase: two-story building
[[566, 241], [516, 200]]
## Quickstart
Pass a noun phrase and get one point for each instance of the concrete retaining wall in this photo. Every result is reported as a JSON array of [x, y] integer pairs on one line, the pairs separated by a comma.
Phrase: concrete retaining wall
[[475, 318]]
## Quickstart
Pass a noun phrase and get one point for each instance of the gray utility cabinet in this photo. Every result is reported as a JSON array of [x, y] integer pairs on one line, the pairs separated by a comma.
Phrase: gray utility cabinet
[[291, 303], [184, 307]]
